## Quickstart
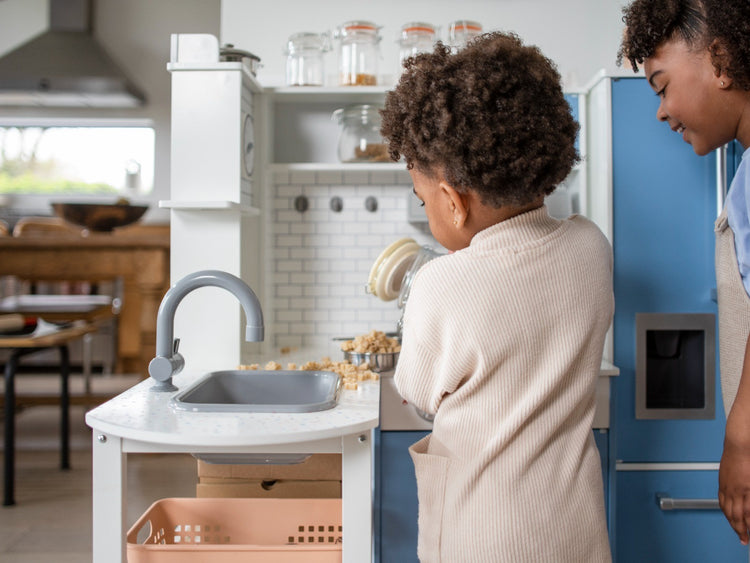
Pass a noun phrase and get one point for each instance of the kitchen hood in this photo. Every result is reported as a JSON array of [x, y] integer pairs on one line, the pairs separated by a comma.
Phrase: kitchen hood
[[65, 66]]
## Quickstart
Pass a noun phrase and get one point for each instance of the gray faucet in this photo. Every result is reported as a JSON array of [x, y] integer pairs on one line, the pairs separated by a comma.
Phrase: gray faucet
[[168, 361]]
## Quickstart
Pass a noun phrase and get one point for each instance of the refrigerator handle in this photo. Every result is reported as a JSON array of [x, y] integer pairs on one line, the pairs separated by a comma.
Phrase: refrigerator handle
[[666, 502], [721, 178]]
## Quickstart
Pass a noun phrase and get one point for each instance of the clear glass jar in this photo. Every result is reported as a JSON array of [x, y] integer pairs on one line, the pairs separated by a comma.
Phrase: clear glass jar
[[460, 32], [359, 51], [359, 138], [304, 59], [416, 37], [425, 254]]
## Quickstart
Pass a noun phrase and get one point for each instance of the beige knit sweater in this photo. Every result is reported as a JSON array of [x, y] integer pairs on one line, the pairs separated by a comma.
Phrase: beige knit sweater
[[503, 343]]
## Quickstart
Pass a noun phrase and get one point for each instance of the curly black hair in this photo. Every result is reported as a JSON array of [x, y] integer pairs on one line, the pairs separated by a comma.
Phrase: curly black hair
[[722, 26], [492, 118]]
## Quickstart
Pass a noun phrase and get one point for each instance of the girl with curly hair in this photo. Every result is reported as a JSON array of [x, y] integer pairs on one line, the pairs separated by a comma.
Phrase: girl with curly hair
[[696, 56], [503, 338]]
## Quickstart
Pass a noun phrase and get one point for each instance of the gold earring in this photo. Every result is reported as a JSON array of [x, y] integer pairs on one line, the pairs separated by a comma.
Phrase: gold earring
[[455, 221]]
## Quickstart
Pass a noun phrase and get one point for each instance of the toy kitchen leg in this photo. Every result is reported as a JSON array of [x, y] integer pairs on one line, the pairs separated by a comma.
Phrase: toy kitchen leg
[[109, 490], [356, 496]]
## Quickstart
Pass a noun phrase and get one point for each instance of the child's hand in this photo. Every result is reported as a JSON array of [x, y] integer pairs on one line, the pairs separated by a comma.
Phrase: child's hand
[[734, 477]]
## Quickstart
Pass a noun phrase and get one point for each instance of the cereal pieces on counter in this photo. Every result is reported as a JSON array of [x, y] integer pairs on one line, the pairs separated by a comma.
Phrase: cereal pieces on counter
[[350, 374]]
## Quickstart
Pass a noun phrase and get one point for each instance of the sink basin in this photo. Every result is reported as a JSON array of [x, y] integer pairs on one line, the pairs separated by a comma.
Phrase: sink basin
[[292, 391]]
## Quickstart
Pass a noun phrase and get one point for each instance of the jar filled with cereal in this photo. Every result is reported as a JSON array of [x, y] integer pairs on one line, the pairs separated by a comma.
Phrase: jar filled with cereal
[[358, 53], [359, 138]]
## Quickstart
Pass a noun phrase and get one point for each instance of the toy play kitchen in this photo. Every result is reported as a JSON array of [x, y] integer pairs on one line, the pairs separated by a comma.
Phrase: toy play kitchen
[[220, 216], [271, 416]]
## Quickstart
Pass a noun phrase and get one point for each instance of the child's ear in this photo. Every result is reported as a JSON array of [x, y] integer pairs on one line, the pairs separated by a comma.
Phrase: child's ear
[[458, 203]]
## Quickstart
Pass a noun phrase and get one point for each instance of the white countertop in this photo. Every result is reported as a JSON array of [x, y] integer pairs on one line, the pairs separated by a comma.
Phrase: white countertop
[[146, 416], [608, 369], [143, 415]]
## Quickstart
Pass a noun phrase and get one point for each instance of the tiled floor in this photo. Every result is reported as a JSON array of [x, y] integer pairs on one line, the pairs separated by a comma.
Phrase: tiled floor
[[51, 520]]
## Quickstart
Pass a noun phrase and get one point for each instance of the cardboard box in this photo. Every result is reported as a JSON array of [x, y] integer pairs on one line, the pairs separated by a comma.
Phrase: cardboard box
[[317, 467], [270, 489]]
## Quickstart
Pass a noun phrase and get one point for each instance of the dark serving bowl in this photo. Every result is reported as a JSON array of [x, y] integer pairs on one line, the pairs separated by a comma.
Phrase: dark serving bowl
[[99, 216]]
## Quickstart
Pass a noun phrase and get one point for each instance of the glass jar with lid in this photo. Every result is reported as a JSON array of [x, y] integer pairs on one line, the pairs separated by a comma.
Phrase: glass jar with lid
[[359, 138], [358, 53], [304, 59], [415, 37], [460, 32]]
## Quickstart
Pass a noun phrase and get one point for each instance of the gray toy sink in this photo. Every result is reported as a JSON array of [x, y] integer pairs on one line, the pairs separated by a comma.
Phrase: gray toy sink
[[292, 391]]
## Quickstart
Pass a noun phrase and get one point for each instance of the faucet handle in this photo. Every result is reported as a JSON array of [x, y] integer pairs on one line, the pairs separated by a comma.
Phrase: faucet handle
[[175, 346]]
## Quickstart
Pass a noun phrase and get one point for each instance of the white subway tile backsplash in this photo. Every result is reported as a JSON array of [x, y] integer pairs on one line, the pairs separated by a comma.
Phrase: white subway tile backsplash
[[302, 177], [280, 278], [304, 280], [288, 266], [329, 177], [300, 253], [287, 191], [288, 291], [316, 315], [331, 279], [280, 178], [315, 290], [288, 316], [289, 240], [356, 177], [329, 253], [330, 227], [320, 259], [316, 266], [302, 228], [287, 217]]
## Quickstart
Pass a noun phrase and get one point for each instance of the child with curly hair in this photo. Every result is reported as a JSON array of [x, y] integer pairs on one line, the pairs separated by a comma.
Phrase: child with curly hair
[[696, 56], [502, 338]]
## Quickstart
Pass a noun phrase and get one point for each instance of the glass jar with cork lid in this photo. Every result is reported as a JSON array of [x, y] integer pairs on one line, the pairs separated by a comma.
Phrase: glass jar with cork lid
[[460, 32], [358, 53], [304, 59], [415, 37], [359, 138]]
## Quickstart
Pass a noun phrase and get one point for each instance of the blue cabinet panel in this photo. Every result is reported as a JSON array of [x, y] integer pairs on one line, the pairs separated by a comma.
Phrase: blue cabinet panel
[[664, 207], [397, 497], [645, 533]]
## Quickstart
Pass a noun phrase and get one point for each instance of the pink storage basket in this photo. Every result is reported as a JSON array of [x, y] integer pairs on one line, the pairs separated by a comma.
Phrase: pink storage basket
[[228, 530]]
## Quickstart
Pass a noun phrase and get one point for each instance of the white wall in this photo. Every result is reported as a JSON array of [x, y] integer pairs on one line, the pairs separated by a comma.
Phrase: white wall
[[136, 34], [581, 36]]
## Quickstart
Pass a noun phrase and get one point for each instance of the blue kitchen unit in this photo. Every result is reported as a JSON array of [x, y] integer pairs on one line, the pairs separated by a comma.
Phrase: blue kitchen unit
[[668, 418]]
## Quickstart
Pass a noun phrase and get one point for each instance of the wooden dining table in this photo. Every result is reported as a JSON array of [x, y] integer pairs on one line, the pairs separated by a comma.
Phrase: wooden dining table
[[138, 255]]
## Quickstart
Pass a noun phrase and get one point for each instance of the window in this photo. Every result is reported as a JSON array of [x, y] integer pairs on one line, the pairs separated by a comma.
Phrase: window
[[63, 159]]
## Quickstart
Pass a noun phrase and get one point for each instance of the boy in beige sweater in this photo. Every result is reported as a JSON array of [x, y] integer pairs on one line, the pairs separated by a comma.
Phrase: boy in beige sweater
[[503, 338]]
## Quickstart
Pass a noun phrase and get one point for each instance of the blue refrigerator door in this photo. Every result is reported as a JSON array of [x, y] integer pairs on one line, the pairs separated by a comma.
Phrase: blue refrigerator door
[[664, 205]]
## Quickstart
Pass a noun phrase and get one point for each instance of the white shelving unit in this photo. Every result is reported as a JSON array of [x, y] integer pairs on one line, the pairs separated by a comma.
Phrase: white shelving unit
[[216, 195]]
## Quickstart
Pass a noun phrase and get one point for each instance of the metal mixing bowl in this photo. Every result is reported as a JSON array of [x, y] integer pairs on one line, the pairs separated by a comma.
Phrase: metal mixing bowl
[[99, 216], [378, 362]]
